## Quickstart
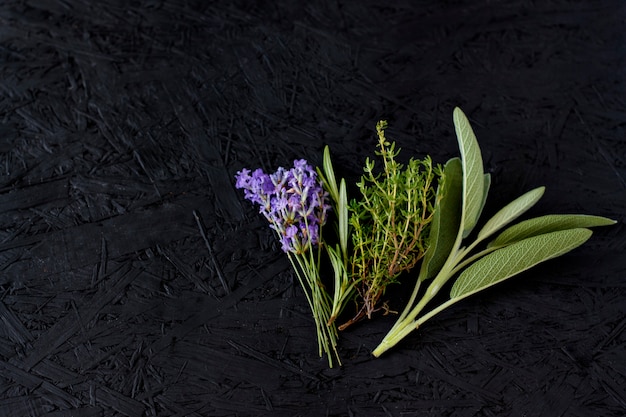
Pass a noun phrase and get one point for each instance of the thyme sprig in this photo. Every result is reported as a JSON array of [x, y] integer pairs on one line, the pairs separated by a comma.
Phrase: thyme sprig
[[389, 222]]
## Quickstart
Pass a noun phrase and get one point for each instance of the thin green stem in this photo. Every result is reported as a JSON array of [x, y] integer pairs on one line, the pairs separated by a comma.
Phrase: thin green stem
[[319, 300], [472, 258], [408, 323], [409, 305], [434, 312]]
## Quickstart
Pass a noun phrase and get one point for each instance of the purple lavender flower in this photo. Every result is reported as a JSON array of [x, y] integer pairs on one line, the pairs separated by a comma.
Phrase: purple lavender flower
[[293, 201]]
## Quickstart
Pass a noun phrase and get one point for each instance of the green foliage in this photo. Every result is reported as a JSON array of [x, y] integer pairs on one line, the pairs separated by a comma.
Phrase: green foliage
[[389, 222], [446, 220], [422, 212], [516, 258], [515, 250], [344, 289], [474, 193], [510, 212], [547, 224]]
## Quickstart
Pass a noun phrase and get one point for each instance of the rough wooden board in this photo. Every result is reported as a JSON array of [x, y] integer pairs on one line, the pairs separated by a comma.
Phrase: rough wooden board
[[123, 122]]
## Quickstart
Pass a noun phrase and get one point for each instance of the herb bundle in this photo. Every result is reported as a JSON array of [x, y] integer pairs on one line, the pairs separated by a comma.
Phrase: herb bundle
[[405, 215], [295, 204], [389, 222]]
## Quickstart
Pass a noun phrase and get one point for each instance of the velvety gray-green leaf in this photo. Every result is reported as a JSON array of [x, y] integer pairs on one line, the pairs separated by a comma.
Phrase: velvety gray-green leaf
[[515, 258], [473, 175], [511, 212], [547, 224], [446, 220], [486, 185]]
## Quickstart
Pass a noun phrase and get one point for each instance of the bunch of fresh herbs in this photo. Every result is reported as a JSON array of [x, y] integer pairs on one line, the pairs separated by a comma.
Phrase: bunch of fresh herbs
[[296, 207], [389, 222], [404, 215]]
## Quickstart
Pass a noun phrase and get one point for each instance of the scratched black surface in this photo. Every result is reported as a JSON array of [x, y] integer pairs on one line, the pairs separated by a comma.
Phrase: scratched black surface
[[136, 281]]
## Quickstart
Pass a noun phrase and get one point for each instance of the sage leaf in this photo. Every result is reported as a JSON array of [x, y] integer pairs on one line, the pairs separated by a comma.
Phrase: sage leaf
[[515, 258], [473, 176], [545, 224], [510, 212], [486, 185], [446, 221]]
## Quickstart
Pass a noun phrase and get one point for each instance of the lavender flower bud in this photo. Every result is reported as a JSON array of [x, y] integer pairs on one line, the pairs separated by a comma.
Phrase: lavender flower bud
[[293, 201]]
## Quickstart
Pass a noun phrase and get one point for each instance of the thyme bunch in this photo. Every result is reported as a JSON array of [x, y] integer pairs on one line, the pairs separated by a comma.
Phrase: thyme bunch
[[389, 222]]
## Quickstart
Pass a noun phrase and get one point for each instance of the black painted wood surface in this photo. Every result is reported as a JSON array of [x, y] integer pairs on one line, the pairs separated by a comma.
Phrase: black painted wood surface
[[136, 281]]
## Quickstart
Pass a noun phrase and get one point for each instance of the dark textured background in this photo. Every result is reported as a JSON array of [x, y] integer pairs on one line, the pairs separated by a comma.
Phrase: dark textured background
[[121, 120]]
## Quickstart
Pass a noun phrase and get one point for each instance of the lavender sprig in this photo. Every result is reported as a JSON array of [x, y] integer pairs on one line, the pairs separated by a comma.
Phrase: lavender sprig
[[296, 207]]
